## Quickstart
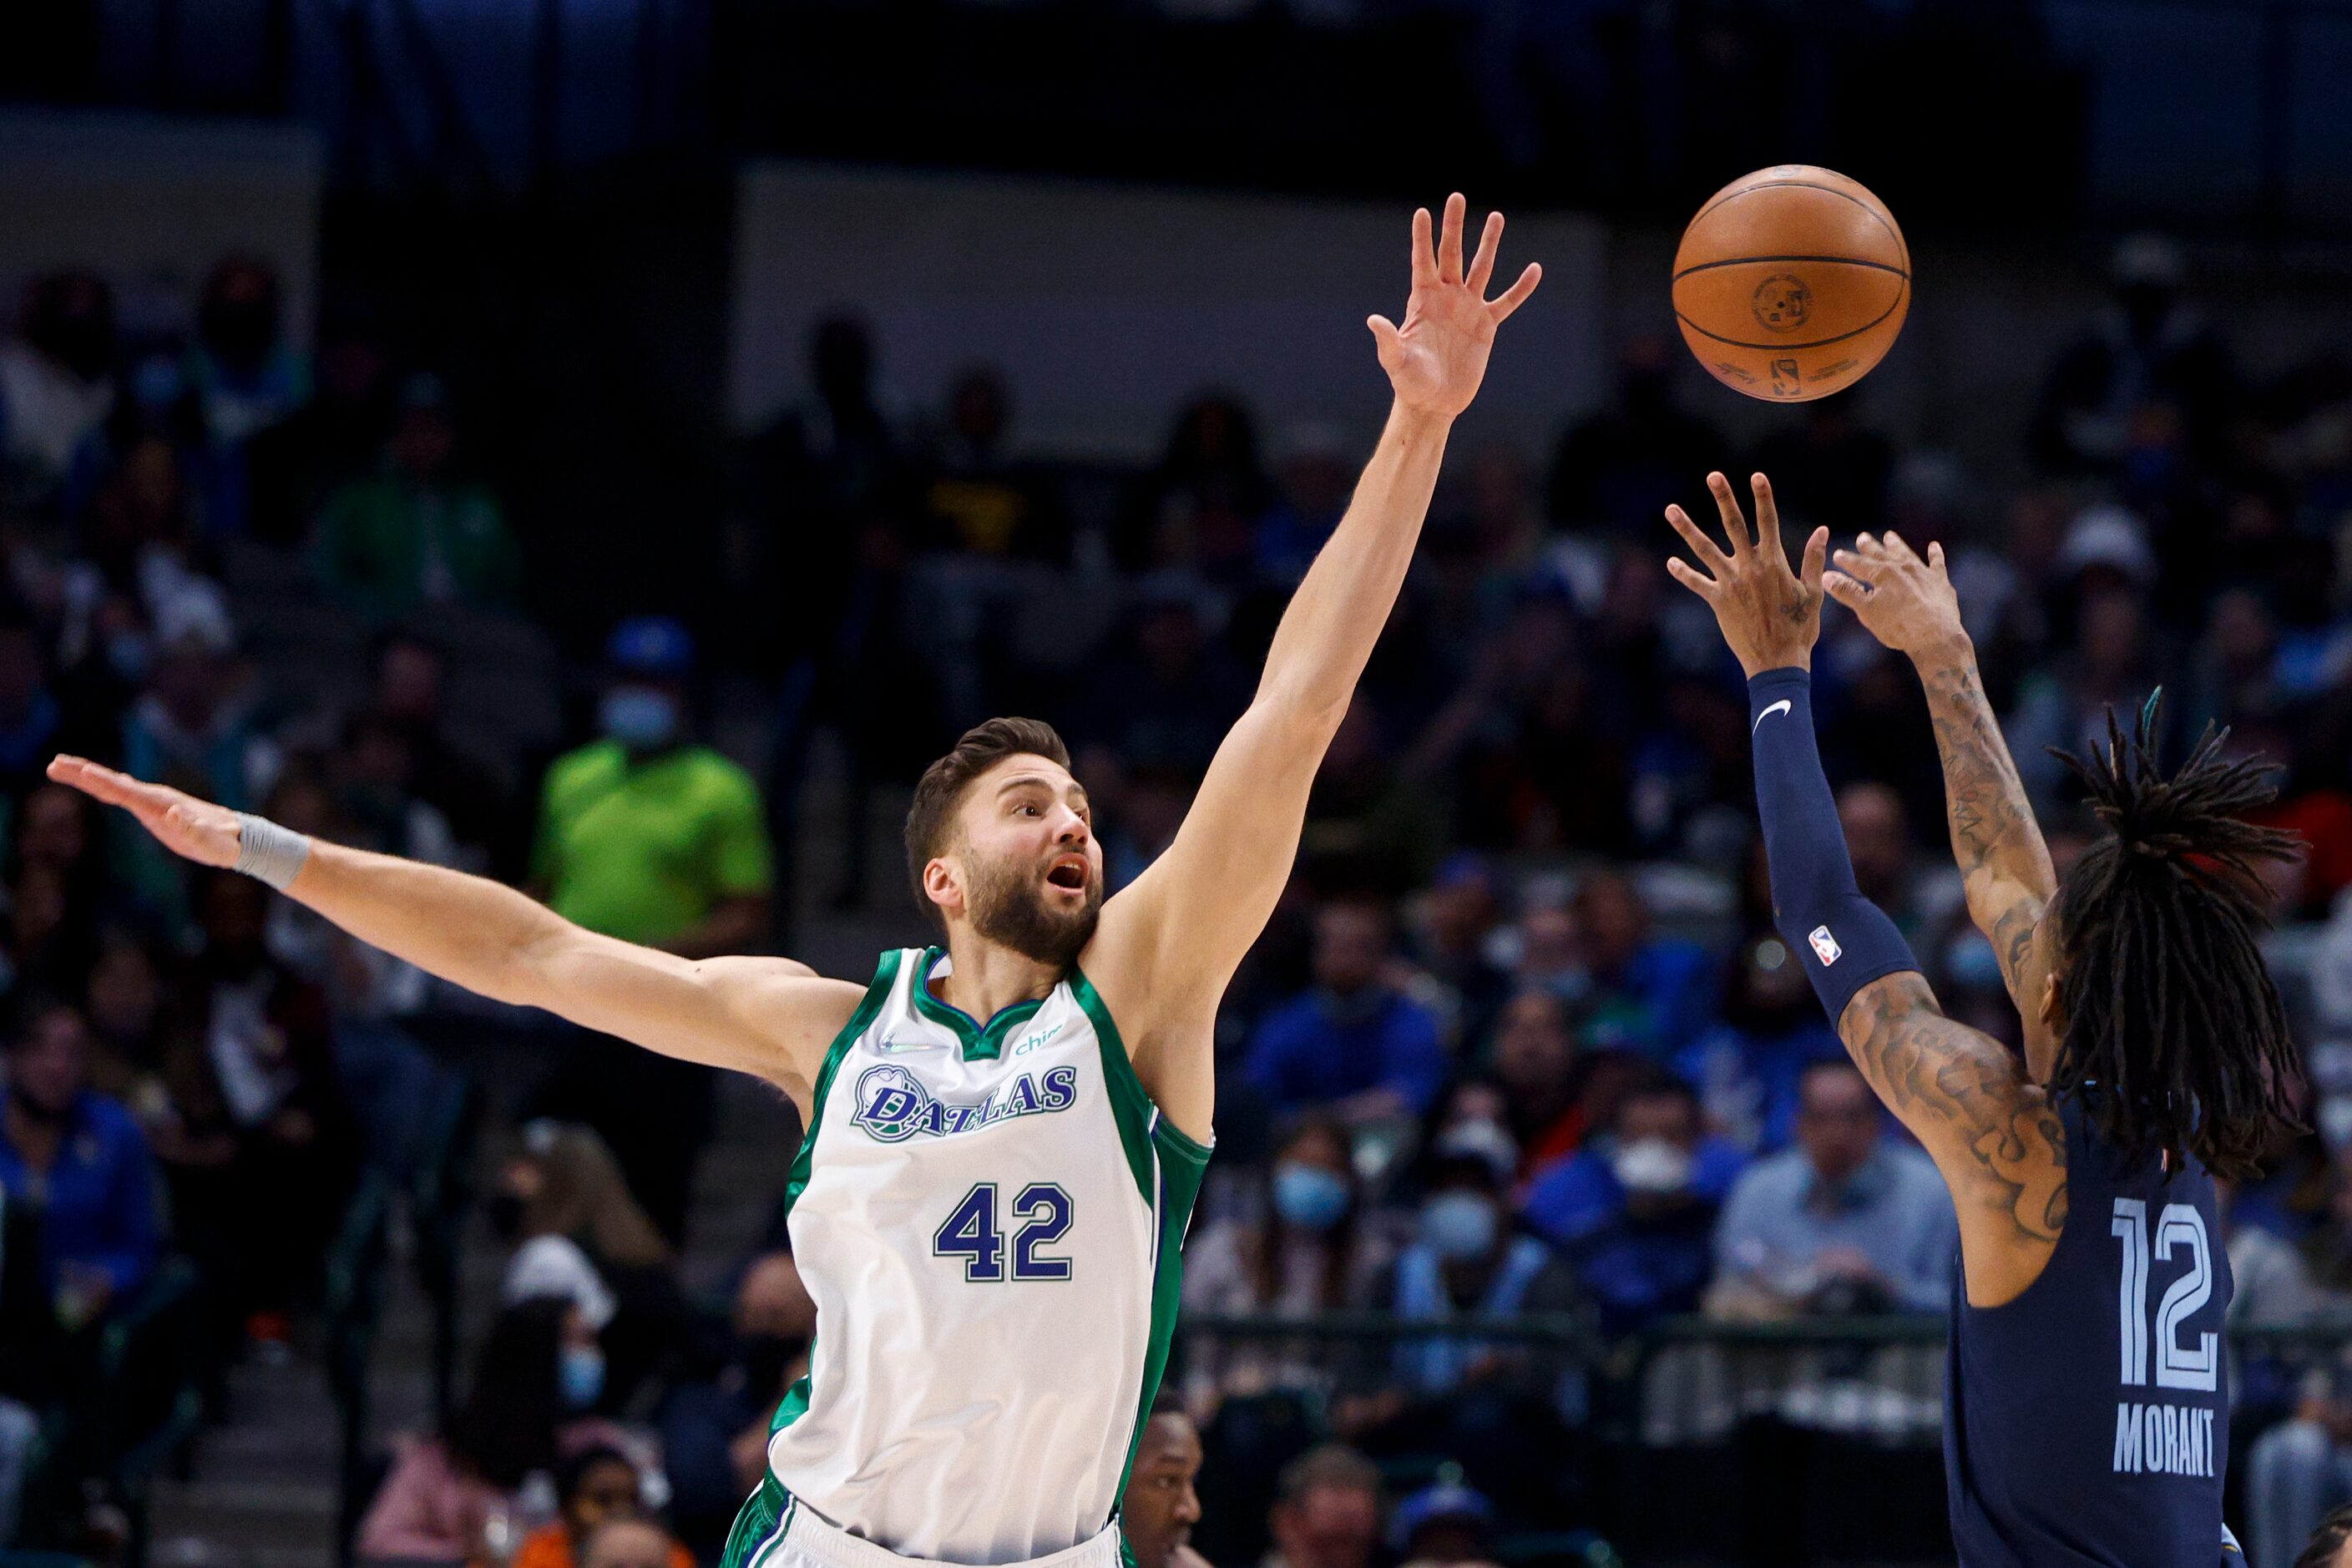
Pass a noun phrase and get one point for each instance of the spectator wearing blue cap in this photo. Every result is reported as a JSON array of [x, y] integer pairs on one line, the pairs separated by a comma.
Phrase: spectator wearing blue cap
[[648, 836], [1444, 1525], [416, 532]]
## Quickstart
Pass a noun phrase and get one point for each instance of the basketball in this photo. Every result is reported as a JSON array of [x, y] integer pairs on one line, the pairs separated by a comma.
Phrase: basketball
[[1791, 283]]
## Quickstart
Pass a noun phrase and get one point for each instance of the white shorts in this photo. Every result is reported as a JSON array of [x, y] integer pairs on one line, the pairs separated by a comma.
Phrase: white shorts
[[803, 1539]]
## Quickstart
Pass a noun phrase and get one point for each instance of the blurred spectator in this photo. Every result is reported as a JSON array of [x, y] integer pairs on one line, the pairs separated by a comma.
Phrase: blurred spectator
[[30, 717], [194, 728], [1546, 1079], [977, 499], [1650, 994], [1166, 698], [1305, 1247], [416, 533], [1634, 1212], [2300, 1470], [594, 1488], [257, 1119], [1616, 470], [1368, 822], [578, 1234], [123, 1003], [1918, 898], [2114, 665], [56, 892], [33, 1354], [1849, 1221], [1746, 1069], [2147, 347], [76, 1159], [57, 379], [1160, 1507], [2327, 1545], [631, 1541], [1326, 1511], [1452, 940], [1354, 1044], [1491, 1404], [294, 463], [650, 836], [1444, 1525], [410, 692], [1200, 507], [496, 1459], [714, 1429], [244, 375]]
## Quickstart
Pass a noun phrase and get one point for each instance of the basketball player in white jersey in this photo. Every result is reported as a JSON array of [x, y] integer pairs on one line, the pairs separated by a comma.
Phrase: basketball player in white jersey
[[1004, 1133]]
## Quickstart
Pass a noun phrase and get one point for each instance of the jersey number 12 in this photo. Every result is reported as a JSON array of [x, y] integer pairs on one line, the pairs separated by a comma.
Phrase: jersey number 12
[[2196, 1367]]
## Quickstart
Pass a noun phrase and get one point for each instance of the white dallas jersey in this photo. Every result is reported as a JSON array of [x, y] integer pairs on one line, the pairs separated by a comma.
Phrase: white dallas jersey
[[988, 1217]]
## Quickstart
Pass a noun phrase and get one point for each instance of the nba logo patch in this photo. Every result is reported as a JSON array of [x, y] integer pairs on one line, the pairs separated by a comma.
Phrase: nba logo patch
[[1825, 947]]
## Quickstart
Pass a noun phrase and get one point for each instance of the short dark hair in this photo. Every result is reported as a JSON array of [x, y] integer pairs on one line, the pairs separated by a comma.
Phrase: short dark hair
[[2174, 1036], [930, 820], [1332, 1465], [2327, 1541]]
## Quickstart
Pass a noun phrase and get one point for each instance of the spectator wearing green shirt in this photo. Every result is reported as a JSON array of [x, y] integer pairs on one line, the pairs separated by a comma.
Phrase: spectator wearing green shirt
[[650, 836], [414, 533]]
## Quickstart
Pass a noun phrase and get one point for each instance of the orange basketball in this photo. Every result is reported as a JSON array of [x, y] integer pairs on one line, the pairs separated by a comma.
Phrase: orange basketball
[[1792, 282]]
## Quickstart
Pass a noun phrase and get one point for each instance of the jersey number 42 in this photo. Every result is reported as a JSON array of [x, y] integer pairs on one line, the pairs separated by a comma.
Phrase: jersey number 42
[[970, 1233]]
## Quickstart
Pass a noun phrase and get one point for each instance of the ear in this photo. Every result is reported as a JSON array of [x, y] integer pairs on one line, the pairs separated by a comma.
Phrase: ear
[[943, 885], [2053, 1003]]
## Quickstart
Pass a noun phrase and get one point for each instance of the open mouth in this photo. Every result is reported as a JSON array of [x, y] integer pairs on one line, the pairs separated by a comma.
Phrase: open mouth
[[1070, 874]]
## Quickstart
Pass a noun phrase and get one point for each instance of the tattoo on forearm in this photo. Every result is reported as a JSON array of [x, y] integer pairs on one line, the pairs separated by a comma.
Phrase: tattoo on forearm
[[1933, 1072], [1993, 830]]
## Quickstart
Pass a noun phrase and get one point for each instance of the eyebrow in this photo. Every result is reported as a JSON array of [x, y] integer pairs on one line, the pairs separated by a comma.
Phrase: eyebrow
[[1024, 781]]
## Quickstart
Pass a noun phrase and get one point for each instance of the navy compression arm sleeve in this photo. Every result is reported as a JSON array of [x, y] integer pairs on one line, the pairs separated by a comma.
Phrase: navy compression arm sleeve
[[1843, 940]]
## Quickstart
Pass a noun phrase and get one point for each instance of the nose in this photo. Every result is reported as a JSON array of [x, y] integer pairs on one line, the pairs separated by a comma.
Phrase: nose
[[1188, 1508], [1072, 831]]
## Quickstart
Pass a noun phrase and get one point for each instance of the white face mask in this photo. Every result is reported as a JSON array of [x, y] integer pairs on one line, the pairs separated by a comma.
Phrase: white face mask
[[1653, 1167], [1459, 1226]]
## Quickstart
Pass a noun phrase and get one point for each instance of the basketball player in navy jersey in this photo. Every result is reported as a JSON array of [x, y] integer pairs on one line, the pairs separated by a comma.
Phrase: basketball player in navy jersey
[[2086, 1397]]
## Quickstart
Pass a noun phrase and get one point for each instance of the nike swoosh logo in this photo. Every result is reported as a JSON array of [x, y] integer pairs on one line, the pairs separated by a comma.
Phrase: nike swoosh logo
[[1780, 706]]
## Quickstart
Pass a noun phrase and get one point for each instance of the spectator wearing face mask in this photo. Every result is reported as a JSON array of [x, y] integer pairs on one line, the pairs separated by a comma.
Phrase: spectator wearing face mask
[[648, 836], [1309, 1249], [578, 1233], [1491, 1404], [1848, 1221], [1634, 1211]]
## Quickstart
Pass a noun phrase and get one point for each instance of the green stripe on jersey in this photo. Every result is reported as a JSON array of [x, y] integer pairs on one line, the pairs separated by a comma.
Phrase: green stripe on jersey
[[980, 1041]]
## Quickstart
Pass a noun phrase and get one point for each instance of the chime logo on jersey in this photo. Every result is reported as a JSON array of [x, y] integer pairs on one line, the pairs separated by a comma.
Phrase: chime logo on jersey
[[893, 1105]]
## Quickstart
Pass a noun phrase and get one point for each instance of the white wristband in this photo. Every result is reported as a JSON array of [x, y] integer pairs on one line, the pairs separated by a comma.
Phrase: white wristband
[[269, 853]]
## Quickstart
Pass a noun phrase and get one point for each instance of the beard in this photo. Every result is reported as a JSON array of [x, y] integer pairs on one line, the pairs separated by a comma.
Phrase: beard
[[1009, 907]]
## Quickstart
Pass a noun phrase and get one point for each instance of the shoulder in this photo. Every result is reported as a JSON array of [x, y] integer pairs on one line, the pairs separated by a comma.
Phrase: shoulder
[[596, 760], [110, 1120], [718, 774], [1770, 1177]]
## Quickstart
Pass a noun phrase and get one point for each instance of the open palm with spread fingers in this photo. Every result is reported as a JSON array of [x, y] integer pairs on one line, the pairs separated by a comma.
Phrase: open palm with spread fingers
[[202, 832], [1770, 615], [1436, 360], [1904, 601]]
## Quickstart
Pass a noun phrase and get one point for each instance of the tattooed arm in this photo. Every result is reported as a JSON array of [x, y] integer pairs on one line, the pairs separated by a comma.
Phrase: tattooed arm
[[1907, 603], [1995, 1136]]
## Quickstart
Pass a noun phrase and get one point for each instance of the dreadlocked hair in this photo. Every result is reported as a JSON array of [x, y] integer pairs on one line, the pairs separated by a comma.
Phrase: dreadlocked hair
[[2174, 1035]]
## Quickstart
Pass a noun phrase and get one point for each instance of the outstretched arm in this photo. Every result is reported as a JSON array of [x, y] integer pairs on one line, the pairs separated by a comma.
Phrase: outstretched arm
[[1169, 944], [1991, 1134], [768, 1016], [1907, 603]]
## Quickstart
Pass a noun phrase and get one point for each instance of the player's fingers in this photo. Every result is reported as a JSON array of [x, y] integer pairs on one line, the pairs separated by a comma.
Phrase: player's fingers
[[99, 783], [1845, 590], [1449, 239], [1734, 522], [1425, 254], [1691, 577], [1386, 339], [1517, 295], [1709, 557], [1859, 566], [1898, 549], [1481, 265], [1936, 558], [1768, 519], [1817, 549]]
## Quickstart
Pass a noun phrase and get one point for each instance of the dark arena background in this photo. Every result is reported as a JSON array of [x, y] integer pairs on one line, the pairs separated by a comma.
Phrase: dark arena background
[[397, 395]]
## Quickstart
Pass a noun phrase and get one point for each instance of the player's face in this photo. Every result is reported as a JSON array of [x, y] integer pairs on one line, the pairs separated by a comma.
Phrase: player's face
[[1031, 869], [1160, 1507]]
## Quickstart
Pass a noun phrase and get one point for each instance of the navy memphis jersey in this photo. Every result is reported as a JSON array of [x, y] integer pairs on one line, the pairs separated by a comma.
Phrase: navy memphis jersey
[[2087, 1421]]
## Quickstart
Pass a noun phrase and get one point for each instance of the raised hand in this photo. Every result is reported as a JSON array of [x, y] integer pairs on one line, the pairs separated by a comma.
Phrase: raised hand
[[1436, 360], [197, 829], [1905, 602], [1770, 615]]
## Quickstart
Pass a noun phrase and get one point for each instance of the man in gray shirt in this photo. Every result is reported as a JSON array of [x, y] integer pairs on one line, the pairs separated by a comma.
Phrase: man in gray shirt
[[1848, 1219]]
